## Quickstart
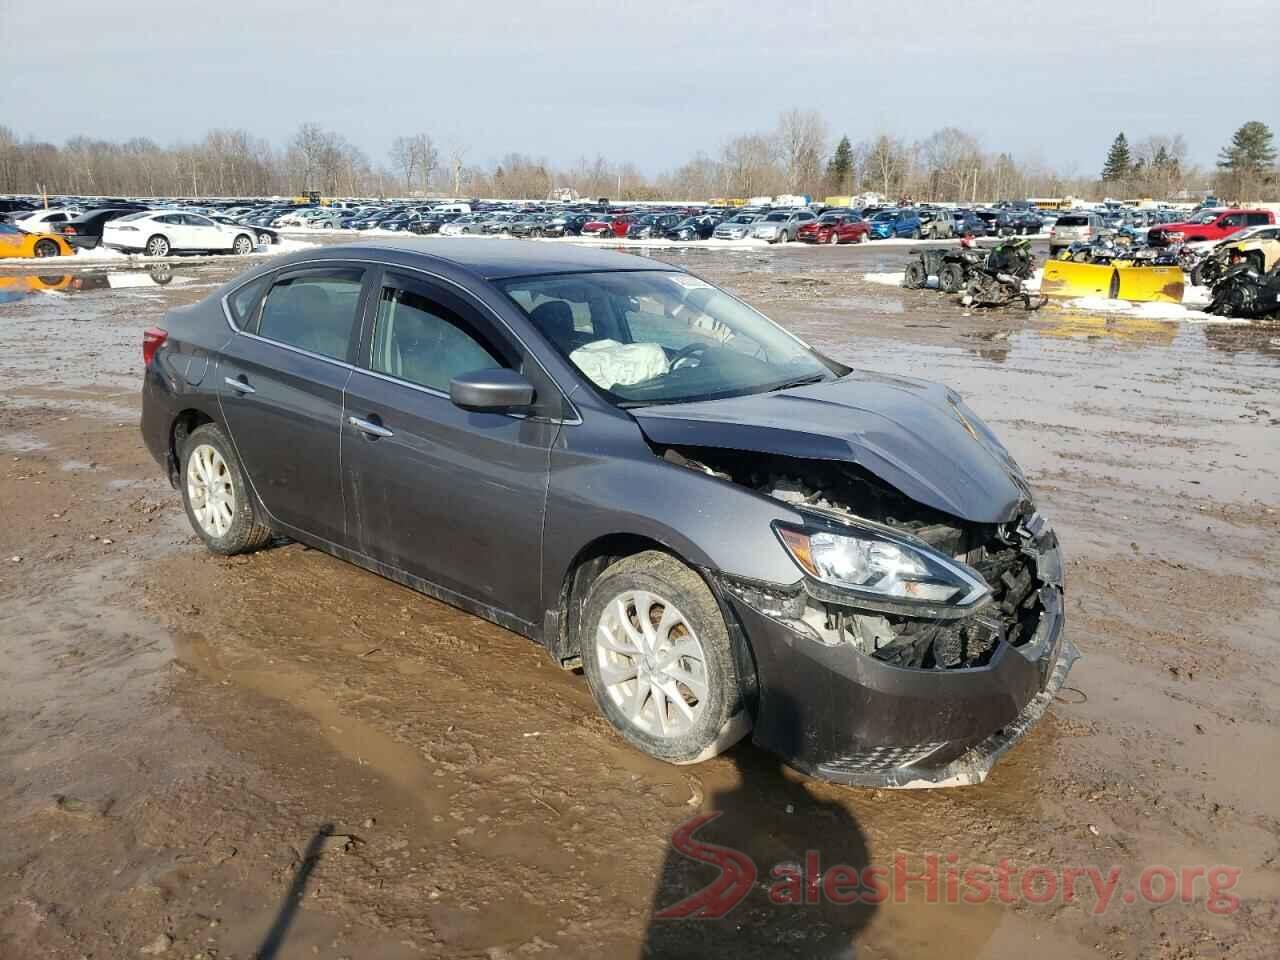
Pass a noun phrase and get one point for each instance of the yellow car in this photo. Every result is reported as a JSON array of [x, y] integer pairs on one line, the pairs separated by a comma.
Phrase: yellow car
[[19, 243]]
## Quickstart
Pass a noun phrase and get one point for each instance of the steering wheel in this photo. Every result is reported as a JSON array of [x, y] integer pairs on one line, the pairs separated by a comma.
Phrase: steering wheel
[[687, 352]]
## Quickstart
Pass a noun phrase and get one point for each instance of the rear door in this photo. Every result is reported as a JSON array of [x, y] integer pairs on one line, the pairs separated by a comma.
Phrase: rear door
[[452, 496], [280, 383]]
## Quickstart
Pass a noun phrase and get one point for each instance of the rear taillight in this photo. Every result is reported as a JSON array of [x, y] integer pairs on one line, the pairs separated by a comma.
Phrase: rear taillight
[[152, 338]]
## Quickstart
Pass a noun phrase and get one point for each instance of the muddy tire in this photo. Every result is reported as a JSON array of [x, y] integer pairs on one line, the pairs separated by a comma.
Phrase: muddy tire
[[914, 277], [950, 278], [659, 660], [157, 246], [1207, 272], [216, 494], [46, 248]]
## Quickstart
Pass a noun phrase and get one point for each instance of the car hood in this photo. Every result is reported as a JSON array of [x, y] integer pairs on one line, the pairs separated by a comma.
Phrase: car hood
[[916, 436]]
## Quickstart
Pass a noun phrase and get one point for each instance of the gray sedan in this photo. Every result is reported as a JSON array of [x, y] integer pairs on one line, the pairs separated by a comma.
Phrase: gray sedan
[[726, 530]]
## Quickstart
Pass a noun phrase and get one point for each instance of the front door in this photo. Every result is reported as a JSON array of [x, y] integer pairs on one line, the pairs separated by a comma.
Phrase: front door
[[452, 496], [280, 383]]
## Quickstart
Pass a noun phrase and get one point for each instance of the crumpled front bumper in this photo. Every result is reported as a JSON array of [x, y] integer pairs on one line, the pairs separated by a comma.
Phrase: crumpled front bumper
[[841, 715]]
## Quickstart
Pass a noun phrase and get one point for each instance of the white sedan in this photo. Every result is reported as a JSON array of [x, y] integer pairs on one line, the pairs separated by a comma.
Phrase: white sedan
[[157, 233], [45, 221]]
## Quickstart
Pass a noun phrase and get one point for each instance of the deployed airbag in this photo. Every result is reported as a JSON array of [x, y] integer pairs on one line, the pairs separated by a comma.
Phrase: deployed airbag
[[609, 363]]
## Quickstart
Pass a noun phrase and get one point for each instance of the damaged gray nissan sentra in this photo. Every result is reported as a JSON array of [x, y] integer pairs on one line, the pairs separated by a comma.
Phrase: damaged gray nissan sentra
[[726, 530]]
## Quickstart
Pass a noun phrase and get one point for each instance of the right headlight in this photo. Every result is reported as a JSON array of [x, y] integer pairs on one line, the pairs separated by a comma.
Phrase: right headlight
[[882, 569]]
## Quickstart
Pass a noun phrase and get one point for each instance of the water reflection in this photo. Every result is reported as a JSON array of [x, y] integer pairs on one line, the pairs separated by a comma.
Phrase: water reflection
[[14, 287]]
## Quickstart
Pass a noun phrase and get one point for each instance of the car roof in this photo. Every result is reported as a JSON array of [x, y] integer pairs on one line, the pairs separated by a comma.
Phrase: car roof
[[495, 259]]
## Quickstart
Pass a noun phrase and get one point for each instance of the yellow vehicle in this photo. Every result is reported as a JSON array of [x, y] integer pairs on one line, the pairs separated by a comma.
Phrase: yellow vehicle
[[19, 243]]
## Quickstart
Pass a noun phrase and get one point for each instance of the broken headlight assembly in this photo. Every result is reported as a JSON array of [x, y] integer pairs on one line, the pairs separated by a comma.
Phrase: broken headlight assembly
[[880, 570]]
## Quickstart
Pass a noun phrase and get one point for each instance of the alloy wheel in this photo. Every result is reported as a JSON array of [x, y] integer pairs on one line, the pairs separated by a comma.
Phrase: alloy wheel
[[653, 665], [209, 487]]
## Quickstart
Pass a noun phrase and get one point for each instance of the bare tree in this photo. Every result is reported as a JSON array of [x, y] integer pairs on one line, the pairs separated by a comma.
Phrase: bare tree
[[404, 159], [748, 165], [885, 164], [802, 142]]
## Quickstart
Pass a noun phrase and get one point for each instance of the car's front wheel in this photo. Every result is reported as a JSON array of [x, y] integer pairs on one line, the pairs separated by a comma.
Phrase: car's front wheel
[[658, 658], [46, 248], [216, 494]]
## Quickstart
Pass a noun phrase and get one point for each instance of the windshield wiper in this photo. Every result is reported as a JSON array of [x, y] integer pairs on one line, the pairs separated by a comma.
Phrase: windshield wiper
[[799, 382]]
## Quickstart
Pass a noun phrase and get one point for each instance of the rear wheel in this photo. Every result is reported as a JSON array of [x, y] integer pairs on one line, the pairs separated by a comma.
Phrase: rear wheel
[[242, 246], [46, 248], [950, 278], [658, 658], [264, 239], [915, 276], [157, 246], [216, 494], [835, 238]]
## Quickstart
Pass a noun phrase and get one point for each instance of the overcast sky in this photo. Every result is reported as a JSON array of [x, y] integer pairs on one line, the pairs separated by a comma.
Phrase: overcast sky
[[651, 81]]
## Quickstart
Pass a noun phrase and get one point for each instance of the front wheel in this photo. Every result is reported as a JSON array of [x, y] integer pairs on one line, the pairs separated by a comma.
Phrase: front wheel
[[46, 248], [216, 495], [835, 238], [658, 658]]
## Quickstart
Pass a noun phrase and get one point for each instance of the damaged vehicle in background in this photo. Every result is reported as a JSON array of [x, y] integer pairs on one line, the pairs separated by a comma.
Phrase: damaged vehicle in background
[[728, 531]]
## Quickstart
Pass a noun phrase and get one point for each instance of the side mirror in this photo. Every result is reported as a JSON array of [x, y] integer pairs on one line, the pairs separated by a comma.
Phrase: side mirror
[[500, 391]]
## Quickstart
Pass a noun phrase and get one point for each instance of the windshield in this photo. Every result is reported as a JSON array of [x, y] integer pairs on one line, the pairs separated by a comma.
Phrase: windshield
[[831, 218], [744, 218], [135, 216], [648, 337]]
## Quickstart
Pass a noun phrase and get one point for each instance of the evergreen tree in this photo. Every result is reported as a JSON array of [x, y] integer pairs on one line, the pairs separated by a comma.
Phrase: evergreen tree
[[1250, 150], [1119, 163], [840, 166]]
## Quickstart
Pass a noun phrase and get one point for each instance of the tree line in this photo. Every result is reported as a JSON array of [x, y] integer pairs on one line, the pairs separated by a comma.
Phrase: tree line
[[1246, 167], [797, 155]]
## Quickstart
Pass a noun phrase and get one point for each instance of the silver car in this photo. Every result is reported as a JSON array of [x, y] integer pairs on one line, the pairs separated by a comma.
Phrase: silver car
[[1075, 227], [780, 226], [737, 227]]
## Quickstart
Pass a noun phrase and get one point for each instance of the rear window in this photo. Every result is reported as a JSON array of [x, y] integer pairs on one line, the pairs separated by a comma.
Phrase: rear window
[[1073, 221]]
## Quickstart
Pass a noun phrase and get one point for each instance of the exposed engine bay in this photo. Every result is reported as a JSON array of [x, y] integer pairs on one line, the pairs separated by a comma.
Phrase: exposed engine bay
[[1003, 554]]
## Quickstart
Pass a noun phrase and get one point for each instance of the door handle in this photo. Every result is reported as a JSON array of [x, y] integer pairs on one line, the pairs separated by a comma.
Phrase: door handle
[[239, 385], [369, 427]]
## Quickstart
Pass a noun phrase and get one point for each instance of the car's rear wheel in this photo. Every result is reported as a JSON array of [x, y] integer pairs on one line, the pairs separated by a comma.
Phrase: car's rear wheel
[[658, 658], [157, 246], [835, 238], [264, 239], [242, 246], [46, 248], [216, 494]]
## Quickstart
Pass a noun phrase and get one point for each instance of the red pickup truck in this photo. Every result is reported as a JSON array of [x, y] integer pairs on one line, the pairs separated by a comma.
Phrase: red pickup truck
[[1208, 225]]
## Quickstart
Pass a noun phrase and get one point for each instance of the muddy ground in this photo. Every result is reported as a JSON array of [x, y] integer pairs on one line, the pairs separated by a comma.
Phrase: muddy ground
[[281, 755]]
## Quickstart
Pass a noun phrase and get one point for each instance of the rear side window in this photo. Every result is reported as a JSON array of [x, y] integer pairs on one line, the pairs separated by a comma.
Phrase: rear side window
[[1256, 219], [314, 311], [417, 339], [243, 302]]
